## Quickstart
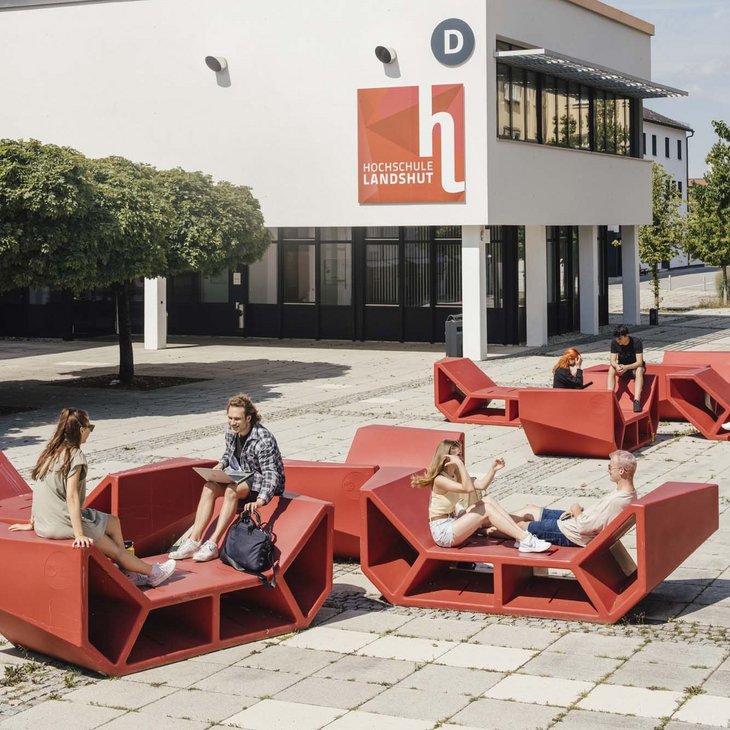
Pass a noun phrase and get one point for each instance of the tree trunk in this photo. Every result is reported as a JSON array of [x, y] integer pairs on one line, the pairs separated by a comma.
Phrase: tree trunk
[[655, 284], [126, 355], [724, 285]]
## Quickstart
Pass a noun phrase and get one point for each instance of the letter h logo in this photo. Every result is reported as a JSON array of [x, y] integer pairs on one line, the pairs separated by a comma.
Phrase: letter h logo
[[411, 145]]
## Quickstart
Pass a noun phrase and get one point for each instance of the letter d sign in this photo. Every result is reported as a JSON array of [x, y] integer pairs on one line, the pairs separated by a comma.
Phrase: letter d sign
[[452, 42]]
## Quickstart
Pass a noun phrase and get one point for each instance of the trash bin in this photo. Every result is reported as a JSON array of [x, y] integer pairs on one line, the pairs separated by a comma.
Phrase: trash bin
[[454, 336], [653, 316]]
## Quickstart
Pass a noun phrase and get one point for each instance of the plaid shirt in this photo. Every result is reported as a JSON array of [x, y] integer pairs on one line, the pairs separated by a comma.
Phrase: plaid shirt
[[261, 456]]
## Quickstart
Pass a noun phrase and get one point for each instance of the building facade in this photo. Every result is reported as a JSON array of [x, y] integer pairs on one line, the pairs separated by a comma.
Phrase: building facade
[[468, 157]]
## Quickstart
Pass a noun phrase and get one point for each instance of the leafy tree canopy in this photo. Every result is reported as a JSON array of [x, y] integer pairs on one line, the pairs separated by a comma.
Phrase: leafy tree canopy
[[663, 238]]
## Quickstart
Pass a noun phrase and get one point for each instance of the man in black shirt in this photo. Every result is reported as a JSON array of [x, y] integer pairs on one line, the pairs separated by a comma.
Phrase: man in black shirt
[[627, 361]]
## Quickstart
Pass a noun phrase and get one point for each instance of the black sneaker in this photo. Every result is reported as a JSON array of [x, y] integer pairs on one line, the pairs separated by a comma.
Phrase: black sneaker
[[637, 407]]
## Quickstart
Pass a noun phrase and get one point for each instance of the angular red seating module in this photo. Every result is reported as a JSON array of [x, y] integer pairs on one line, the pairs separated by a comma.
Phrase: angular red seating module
[[591, 422], [719, 360], [373, 448], [74, 604], [466, 394], [702, 396], [401, 559]]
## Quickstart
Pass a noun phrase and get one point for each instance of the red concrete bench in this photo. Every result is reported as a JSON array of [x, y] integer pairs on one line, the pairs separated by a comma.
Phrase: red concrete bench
[[74, 604], [702, 397], [16, 496], [719, 360], [466, 394], [373, 448], [591, 422], [599, 583]]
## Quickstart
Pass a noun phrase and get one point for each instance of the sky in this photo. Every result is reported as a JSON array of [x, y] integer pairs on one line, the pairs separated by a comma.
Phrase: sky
[[690, 51]]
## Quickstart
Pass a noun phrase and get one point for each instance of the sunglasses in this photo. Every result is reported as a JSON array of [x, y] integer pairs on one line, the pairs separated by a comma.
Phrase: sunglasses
[[90, 427]]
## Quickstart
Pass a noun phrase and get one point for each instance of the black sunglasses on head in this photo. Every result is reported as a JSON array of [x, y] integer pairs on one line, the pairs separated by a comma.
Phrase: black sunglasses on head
[[91, 427]]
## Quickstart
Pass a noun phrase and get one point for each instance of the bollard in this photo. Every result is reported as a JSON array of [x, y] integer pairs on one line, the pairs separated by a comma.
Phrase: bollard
[[669, 282]]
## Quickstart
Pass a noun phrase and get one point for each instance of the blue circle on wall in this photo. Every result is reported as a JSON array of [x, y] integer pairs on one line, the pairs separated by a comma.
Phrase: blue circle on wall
[[452, 42]]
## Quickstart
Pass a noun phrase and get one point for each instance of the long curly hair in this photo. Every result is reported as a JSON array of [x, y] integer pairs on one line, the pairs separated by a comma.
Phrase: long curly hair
[[437, 464], [63, 444], [570, 354]]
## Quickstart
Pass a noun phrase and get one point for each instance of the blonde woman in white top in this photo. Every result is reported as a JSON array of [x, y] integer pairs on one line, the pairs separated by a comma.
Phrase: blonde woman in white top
[[452, 523]]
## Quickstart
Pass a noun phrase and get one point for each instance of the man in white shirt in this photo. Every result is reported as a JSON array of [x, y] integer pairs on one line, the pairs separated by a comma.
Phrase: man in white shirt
[[577, 526]]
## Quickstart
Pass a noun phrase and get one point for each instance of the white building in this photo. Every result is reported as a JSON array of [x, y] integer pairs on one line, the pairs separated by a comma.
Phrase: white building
[[666, 141], [473, 163]]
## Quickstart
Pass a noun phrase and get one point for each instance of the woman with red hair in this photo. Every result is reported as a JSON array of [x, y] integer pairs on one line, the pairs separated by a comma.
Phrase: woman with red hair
[[567, 372]]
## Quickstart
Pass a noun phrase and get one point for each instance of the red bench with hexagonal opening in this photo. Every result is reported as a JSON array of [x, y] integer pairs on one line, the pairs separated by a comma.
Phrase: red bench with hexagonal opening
[[599, 583], [464, 393], [373, 449], [592, 422], [74, 604]]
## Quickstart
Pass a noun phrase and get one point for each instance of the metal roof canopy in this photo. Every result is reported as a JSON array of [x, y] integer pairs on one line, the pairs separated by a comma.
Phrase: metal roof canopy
[[573, 69]]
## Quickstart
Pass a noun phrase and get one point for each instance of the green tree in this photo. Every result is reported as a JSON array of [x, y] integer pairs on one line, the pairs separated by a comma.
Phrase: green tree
[[48, 217], [133, 227], [709, 209], [661, 240], [67, 222]]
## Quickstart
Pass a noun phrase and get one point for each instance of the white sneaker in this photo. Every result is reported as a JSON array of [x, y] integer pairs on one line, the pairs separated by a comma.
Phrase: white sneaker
[[160, 573], [186, 549], [533, 545], [137, 579], [208, 551], [726, 426]]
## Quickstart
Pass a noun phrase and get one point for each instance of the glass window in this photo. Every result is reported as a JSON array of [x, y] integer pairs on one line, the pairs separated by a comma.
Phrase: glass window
[[521, 268], [495, 298], [643, 143], [679, 149], [214, 289], [448, 265], [299, 279], [381, 273], [306, 233], [599, 121], [335, 234], [183, 288], [381, 232], [611, 123], [575, 133], [653, 145], [549, 111], [517, 103], [561, 96], [666, 146], [262, 284], [531, 107], [336, 273], [504, 127], [417, 274]]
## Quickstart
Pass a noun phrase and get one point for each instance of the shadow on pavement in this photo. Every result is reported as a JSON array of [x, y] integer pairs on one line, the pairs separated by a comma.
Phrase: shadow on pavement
[[260, 378]]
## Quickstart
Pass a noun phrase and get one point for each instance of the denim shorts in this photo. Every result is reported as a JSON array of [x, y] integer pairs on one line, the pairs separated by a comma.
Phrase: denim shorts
[[546, 528], [442, 531]]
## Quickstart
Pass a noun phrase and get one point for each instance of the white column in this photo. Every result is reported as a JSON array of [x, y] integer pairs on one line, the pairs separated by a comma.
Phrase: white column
[[474, 291], [155, 314], [536, 282], [588, 279], [630, 274]]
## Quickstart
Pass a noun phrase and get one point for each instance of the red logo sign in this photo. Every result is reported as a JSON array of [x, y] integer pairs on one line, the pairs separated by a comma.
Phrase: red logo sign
[[411, 144]]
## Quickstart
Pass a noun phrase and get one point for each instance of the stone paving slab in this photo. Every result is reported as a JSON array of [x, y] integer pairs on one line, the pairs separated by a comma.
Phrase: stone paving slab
[[459, 680], [209, 707], [491, 714], [631, 701], [417, 704], [278, 715], [54, 713]]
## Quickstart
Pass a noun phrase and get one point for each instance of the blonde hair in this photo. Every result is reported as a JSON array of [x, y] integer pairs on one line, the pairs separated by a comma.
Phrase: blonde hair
[[64, 442], [437, 464], [570, 354]]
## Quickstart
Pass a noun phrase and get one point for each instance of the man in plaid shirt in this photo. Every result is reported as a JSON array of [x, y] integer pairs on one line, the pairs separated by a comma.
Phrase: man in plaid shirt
[[250, 448]]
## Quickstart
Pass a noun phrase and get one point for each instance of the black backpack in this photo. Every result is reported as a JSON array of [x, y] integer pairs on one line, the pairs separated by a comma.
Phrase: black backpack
[[249, 547]]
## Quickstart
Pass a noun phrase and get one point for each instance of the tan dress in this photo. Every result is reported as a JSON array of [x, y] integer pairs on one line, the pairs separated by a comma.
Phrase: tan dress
[[50, 511]]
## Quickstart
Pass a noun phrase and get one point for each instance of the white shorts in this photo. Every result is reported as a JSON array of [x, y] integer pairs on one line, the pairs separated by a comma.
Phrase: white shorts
[[442, 531]]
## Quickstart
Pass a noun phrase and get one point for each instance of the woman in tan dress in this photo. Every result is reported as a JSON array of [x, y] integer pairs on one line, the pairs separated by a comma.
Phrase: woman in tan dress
[[60, 493]]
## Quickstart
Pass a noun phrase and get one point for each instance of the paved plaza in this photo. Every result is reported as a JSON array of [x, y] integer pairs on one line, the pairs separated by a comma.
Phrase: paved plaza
[[365, 663]]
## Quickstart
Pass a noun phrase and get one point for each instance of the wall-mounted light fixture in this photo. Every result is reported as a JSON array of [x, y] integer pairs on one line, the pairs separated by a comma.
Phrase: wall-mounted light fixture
[[385, 55], [216, 63]]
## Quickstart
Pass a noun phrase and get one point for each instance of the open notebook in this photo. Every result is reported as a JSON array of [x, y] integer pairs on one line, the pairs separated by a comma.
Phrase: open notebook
[[222, 476]]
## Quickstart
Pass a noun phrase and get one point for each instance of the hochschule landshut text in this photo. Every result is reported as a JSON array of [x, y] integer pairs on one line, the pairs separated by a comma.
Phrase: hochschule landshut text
[[397, 173]]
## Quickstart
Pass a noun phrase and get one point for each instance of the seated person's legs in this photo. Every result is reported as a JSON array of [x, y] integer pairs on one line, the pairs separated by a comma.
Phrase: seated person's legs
[[546, 528], [189, 546]]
